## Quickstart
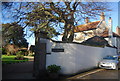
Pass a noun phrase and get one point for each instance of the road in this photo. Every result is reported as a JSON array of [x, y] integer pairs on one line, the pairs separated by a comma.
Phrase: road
[[103, 74]]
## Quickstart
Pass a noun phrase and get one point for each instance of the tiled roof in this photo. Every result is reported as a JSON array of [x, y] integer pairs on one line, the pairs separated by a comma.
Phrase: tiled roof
[[91, 26], [85, 27]]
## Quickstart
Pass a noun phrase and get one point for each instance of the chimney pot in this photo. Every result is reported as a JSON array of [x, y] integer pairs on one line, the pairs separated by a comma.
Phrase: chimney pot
[[87, 20], [110, 18], [102, 16]]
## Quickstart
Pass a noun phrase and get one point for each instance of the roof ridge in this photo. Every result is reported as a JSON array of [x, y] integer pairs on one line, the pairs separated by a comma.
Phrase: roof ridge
[[88, 26], [89, 23]]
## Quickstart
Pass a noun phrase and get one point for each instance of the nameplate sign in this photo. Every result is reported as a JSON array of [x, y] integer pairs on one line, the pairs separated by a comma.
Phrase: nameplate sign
[[57, 50]]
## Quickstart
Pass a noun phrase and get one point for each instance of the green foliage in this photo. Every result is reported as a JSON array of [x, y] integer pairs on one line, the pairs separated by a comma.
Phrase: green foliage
[[8, 53], [38, 20], [53, 68], [19, 55], [13, 33], [3, 51], [24, 52], [39, 16]]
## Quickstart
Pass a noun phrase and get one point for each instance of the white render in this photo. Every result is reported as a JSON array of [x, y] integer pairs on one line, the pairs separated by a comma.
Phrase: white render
[[118, 44], [114, 41], [76, 58]]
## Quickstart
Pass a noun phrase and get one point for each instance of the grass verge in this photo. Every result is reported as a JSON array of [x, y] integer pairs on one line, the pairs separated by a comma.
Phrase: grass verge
[[10, 59]]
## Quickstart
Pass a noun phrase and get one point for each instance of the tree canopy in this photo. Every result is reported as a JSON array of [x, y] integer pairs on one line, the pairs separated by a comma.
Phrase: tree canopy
[[14, 34], [37, 21], [48, 15]]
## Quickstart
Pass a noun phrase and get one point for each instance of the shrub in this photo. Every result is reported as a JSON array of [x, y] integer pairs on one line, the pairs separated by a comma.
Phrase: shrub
[[19, 55], [24, 52], [3, 51], [8, 53], [53, 68]]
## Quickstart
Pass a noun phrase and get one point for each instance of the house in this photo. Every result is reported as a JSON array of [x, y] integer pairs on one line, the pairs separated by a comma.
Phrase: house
[[73, 57], [90, 29], [98, 28]]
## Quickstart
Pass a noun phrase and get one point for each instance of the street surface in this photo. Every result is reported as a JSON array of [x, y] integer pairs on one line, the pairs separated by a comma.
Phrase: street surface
[[103, 74]]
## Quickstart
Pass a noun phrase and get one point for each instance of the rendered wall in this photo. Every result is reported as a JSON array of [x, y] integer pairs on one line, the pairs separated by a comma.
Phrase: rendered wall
[[76, 57]]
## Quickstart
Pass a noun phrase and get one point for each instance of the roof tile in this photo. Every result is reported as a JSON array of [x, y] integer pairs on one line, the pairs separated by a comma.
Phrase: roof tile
[[85, 27]]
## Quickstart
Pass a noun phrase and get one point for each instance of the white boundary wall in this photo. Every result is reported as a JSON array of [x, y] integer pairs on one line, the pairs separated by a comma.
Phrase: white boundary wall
[[76, 57]]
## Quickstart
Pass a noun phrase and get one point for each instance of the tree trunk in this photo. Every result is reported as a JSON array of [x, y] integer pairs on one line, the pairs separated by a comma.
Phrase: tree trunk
[[66, 32], [69, 30], [72, 27], [71, 37]]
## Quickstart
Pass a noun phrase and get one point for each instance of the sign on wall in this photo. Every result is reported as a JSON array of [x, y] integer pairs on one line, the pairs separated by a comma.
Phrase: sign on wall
[[57, 50]]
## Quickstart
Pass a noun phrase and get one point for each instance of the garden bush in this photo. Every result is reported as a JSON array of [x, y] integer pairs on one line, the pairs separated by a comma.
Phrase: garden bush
[[53, 68], [3, 51], [24, 52], [19, 55], [53, 71], [8, 53]]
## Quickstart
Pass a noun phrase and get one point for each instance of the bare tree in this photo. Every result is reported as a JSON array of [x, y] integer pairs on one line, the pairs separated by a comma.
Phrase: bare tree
[[71, 14]]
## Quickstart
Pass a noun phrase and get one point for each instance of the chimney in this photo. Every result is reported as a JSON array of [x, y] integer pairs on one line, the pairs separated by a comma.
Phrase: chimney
[[87, 20], [110, 23], [118, 30], [102, 16], [110, 32]]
